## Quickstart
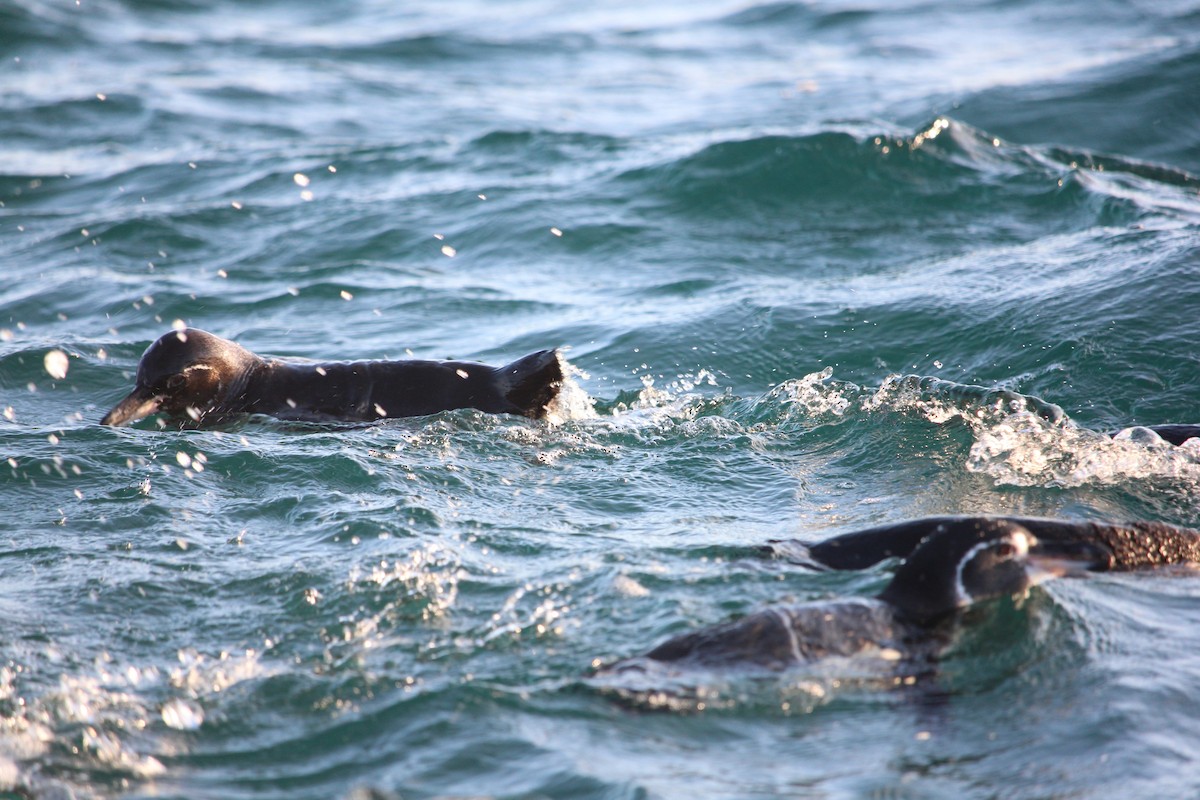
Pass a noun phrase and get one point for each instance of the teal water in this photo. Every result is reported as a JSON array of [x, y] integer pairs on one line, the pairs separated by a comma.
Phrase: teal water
[[747, 224]]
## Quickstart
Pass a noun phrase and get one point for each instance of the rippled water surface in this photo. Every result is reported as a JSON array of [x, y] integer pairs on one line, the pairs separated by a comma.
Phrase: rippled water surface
[[819, 266]]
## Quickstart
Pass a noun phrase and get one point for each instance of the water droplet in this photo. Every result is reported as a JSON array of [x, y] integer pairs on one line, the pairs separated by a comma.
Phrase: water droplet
[[449, 251], [301, 179], [182, 715], [56, 363]]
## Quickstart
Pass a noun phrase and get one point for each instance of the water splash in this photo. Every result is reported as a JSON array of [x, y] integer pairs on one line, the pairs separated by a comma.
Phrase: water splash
[[815, 396], [202, 675], [426, 582], [547, 616], [572, 401], [182, 715], [1025, 450]]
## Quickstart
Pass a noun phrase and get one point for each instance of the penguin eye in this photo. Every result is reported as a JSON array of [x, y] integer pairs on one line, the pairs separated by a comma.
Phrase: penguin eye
[[177, 381], [1005, 550]]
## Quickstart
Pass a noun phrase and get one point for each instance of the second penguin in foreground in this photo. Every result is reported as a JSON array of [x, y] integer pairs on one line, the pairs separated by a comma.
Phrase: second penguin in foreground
[[963, 562], [194, 377]]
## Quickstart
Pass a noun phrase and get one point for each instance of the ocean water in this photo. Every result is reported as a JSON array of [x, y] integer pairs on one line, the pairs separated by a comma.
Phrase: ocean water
[[818, 266]]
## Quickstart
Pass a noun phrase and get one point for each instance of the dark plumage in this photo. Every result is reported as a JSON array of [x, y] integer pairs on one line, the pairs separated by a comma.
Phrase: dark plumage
[[960, 562], [1175, 434], [1130, 545], [194, 377]]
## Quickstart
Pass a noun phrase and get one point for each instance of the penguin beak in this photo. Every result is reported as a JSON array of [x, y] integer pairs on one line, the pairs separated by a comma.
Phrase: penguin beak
[[1060, 559], [140, 403]]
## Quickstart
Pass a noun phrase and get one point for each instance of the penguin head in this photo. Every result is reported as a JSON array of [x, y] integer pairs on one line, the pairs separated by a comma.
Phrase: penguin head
[[185, 374], [969, 560]]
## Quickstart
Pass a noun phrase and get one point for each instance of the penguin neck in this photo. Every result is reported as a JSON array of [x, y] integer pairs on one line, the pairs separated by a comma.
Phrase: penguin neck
[[921, 595], [240, 380]]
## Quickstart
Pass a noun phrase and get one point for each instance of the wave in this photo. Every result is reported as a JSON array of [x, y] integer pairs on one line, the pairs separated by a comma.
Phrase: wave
[[947, 168], [1145, 107]]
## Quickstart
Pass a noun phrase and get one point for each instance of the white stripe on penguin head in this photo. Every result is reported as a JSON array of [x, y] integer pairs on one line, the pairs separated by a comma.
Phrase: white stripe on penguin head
[[1020, 540]]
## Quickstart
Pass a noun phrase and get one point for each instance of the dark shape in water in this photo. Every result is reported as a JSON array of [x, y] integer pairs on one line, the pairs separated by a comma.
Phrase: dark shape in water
[[197, 378], [1175, 434], [1130, 545], [961, 562]]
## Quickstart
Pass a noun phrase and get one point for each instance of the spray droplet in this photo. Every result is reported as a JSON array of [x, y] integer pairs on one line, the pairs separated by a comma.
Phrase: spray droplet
[[56, 363], [182, 715]]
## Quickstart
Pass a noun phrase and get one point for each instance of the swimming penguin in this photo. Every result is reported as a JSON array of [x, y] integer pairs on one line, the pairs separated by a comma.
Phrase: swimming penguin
[[1130, 545], [962, 562], [194, 377]]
